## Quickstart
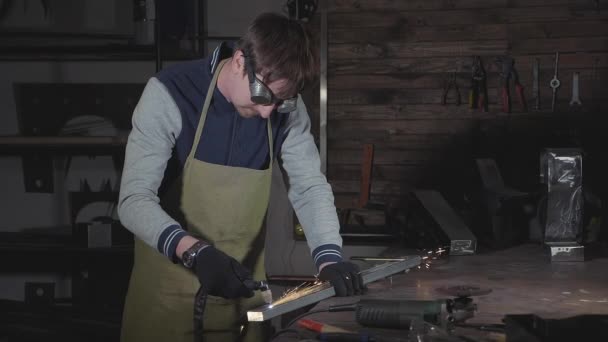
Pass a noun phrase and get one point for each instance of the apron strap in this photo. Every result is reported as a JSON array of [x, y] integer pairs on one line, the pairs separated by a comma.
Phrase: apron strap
[[270, 142], [201, 123]]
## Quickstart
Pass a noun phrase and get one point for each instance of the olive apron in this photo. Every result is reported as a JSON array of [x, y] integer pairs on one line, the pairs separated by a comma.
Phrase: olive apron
[[223, 205]]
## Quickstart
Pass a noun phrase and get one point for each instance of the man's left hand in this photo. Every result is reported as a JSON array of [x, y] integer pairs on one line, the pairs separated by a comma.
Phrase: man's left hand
[[344, 277]]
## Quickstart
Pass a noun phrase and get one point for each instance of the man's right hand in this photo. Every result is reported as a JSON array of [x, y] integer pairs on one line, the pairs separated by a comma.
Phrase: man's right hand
[[221, 275]]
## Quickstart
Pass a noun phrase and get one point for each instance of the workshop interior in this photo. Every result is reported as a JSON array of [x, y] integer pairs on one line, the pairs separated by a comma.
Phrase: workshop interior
[[461, 139]]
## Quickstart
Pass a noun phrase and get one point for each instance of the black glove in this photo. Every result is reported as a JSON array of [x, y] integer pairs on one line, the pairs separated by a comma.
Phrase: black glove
[[344, 277], [221, 275]]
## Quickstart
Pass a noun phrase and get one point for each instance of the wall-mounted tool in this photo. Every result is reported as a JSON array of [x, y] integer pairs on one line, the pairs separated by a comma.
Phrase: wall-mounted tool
[[536, 83], [449, 84], [508, 71], [555, 83], [478, 95], [575, 97]]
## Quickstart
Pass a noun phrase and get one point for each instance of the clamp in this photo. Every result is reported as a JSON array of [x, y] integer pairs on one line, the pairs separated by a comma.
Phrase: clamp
[[478, 95], [449, 84]]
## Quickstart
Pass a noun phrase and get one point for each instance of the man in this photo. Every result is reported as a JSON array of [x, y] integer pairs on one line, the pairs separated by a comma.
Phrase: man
[[196, 184]]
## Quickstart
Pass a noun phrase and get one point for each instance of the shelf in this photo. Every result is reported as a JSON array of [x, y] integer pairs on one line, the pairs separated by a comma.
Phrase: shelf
[[17, 145], [112, 52], [8, 33], [59, 243]]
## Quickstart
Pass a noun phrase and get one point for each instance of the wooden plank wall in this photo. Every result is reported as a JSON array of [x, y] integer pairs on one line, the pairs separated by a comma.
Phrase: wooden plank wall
[[388, 60]]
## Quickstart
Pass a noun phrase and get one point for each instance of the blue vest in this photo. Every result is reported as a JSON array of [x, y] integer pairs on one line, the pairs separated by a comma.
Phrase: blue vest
[[227, 138]]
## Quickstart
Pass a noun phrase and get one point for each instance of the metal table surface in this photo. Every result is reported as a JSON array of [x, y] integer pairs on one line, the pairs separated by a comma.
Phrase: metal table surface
[[522, 278]]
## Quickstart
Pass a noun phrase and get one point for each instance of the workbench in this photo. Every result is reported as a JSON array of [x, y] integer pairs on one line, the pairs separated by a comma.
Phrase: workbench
[[523, 281]]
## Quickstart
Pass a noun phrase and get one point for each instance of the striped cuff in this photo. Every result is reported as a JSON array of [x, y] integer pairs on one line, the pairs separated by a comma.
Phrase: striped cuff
[[327, 253], [168, 240]]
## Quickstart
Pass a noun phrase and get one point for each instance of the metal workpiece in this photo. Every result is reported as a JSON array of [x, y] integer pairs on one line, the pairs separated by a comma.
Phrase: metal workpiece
[[364, 258], [462, 239], [390, 268], [567, 252], [319, 292]]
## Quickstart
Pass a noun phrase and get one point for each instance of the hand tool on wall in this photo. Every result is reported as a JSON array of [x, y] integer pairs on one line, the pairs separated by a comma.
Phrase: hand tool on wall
[[555, 83], [508, 71], [449, 84], [478, 95], [575, 98], [536, 84]]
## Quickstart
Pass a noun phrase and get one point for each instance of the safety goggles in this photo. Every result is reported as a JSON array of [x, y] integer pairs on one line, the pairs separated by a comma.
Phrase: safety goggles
[[262, 95]]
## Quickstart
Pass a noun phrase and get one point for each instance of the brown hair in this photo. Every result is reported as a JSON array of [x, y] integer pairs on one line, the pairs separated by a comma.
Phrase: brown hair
[[281, 48]]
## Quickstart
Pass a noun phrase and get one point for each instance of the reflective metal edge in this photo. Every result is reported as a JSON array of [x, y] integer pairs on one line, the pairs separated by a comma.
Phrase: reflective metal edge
[[370, 275], [323, 89]]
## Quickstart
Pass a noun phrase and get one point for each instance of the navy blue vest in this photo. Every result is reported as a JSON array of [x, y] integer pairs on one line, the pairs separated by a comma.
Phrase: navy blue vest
[[227, 138]]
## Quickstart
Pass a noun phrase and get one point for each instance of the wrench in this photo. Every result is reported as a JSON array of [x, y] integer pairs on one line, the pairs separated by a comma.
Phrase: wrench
[[575, 99], [535, 84], [555, 83]]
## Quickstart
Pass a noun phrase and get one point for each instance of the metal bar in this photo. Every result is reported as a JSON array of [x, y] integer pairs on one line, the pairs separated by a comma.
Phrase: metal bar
[[58, 34], [325, 290], [157, 36], [20, 146], [381, 271], [48, 141], [196, 13], [202, 27], [567, 252], [364, 258], [462, 240], [323, 90]]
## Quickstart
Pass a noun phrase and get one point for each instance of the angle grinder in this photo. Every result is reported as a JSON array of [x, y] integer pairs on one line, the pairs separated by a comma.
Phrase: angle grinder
[[400, 314]]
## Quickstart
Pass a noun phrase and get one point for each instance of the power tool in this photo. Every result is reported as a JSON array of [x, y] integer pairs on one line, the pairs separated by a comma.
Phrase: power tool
[[400, 314], [200, 301]]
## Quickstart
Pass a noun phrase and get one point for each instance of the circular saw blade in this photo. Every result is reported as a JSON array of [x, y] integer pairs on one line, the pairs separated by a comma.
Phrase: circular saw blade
[[463, 291]]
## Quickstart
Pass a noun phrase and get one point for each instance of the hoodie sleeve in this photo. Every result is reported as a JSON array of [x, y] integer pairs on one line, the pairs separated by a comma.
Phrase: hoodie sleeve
[[308, 190], [156, 125]]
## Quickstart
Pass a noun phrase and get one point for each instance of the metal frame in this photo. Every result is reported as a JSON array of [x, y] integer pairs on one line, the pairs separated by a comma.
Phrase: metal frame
[[567, 252], [157, 37], [323, 90], [325, 290], [462, 240]]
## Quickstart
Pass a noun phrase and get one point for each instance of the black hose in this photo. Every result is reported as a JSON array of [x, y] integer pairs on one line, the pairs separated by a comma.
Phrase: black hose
[[200, 301]]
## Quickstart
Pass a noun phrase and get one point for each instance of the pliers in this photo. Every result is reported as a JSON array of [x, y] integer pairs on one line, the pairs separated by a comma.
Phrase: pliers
[[449, 84], [508, 72], [478, 95]]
